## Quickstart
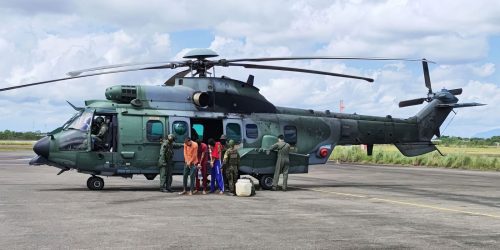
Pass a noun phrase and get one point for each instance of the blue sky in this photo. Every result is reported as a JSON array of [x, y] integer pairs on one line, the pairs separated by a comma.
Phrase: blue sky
[[44, 40]]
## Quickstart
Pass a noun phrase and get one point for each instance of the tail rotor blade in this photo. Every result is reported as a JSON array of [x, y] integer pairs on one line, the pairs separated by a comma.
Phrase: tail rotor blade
[[411, 102], [426, 75]]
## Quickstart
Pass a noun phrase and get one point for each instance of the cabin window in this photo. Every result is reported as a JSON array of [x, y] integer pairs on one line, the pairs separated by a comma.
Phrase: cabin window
[[233, 132], [154, 131], [180, 129], [252, 131], [290, 134], [197, 132]]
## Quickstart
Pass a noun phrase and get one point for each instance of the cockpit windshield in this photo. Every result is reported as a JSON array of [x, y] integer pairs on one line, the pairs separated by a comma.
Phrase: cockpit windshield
[[80, 121]]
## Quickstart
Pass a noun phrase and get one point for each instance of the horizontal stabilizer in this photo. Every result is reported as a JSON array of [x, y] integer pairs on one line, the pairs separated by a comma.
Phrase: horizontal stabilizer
[[460, 105], [415, 148]]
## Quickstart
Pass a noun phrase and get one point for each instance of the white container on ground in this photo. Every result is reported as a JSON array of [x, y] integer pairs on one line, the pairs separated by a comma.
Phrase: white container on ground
[[243, 187]]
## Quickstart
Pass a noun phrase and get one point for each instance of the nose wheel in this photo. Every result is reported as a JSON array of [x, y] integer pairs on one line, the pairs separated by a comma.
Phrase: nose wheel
[[266, 181], [95, 183]]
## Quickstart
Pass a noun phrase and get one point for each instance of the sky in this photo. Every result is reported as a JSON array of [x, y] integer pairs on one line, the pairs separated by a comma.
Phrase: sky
[[42, 40]]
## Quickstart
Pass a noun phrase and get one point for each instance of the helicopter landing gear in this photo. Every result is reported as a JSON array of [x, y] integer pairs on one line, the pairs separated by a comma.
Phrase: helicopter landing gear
[[95, 183], [266, 181]]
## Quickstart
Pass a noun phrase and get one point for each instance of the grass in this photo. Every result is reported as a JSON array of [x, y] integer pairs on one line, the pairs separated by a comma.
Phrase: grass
[[487, 158], [7, 145]]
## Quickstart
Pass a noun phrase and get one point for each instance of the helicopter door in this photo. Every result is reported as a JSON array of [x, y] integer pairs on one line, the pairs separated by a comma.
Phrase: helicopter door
[[154, 129], [232, 129], [180, 128], [100, 158]]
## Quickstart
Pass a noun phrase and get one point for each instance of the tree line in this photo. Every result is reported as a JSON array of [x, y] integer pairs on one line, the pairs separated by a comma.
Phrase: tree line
[[13, 135], [468, 142]]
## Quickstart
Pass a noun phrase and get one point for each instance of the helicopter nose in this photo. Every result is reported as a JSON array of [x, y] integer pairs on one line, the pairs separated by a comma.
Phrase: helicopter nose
[[42, 147]]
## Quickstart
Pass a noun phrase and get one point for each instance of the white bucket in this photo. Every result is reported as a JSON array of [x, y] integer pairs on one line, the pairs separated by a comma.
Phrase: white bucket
[[243, 187]]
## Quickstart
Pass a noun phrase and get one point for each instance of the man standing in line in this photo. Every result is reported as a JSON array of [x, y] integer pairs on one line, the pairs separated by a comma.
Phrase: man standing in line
[[282, 162], [224, 147], [191, 160], [166, 163], [202, 167], [215, 151], [232, 166]]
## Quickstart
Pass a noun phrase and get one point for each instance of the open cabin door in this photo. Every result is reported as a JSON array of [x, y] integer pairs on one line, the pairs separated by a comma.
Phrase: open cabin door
[[100, 158]]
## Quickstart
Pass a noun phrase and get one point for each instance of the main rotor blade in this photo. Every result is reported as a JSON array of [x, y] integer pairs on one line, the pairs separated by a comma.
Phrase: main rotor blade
[[455, 91], [79, 72], [267, 59], [166, 66], [256, 66], [411, 102]]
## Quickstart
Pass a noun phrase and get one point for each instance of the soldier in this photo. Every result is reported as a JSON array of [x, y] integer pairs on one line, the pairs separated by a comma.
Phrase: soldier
[[223, 143], [166, 163], [232, 166], [282, 162], [191, 160], [101, 128]]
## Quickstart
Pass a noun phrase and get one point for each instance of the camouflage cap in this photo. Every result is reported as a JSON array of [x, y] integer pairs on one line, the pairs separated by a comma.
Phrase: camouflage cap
[[231, 143], [171, 136]]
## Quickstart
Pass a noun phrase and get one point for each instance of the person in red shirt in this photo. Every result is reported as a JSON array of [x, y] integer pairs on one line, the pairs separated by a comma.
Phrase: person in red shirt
[[202, 167], [215, 151], [191, 160]]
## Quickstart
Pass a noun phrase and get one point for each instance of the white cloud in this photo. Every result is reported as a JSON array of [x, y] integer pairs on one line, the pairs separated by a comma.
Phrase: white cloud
[[44, 41]]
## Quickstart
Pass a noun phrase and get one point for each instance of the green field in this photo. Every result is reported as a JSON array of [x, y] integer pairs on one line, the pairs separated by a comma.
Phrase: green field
[[481, 158], [8, 145]]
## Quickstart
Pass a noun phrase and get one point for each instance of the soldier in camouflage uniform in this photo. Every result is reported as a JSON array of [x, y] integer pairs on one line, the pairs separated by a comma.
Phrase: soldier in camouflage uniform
[[282, 162], [223, 141], [166, 163], [232, 165]]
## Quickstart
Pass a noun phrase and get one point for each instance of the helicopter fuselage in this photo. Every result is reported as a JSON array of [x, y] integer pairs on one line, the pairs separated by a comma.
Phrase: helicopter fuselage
[[202, 108]]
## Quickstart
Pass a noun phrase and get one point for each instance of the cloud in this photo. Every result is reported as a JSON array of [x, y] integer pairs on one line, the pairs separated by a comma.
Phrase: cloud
[[44, 41]]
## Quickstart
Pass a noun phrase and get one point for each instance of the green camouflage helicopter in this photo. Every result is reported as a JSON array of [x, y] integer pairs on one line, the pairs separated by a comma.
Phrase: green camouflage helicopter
[[203, 106]]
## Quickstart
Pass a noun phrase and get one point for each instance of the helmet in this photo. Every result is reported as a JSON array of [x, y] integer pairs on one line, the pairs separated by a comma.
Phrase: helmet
[[171, 137], [231, 143], [99, 120]]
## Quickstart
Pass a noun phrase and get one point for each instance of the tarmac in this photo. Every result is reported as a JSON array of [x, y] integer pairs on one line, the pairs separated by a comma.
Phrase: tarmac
[[333, 206]]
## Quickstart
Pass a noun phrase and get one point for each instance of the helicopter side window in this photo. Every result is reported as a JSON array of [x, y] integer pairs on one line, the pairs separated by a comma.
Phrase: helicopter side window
[[233, 132], [180, 129], [252, 131], [290, 134], [154, 131]]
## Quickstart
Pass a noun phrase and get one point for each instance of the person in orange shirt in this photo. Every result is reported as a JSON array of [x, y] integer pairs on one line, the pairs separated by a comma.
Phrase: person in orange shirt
[[191, 160]]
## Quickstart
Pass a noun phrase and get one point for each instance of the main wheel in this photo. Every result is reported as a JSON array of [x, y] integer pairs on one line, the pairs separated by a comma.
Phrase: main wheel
[[95, 183], [266, 181]]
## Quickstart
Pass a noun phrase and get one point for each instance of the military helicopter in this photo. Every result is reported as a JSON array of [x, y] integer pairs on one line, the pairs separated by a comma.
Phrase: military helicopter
[[204, 106]]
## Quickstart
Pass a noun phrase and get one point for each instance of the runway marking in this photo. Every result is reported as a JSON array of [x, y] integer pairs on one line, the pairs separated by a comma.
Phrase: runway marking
[[402, 202]]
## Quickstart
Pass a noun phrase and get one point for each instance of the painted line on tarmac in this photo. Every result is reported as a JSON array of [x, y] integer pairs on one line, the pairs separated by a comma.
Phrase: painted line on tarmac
[[401, 202]]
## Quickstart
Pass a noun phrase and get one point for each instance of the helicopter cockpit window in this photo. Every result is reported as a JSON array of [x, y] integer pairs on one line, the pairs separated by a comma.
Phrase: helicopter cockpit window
[[80, 121], [75, 132], [233, 132], [154, 131], [180, 129], [252, 131], [290, 134]]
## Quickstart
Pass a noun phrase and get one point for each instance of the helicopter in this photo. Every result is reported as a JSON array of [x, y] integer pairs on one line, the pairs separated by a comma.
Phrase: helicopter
[[203, 106]]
